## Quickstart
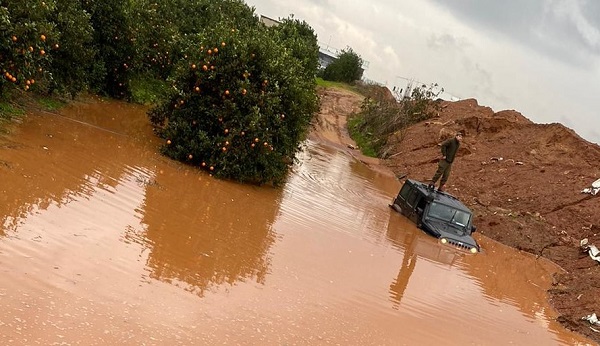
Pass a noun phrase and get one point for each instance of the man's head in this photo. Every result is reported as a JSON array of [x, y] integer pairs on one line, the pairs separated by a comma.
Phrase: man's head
[[459, 135]]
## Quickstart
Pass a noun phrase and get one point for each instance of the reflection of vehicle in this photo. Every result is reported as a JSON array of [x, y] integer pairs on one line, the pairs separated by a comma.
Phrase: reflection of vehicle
[[437, 213]]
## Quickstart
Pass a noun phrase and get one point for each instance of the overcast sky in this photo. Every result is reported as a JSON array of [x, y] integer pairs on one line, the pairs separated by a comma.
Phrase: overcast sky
[[538, 57]]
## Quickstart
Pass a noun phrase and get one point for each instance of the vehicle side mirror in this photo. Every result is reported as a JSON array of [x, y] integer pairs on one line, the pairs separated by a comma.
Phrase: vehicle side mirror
[[473, 228]]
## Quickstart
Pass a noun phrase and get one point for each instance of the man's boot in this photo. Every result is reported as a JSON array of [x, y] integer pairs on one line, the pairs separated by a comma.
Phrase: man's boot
[[441, 188]]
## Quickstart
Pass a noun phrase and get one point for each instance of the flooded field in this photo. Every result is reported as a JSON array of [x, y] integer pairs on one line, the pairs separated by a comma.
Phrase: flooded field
[[106, 242]]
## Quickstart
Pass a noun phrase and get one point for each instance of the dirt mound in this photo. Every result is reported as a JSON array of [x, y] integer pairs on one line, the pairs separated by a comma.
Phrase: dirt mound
[[524, 182]]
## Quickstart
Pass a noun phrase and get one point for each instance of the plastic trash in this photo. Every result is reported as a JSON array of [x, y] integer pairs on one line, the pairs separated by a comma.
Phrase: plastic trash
[[593, 319], [591, 249], [594, 189]]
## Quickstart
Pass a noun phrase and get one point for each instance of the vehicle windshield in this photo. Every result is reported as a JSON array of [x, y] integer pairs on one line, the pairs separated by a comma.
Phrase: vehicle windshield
[[449, 214]]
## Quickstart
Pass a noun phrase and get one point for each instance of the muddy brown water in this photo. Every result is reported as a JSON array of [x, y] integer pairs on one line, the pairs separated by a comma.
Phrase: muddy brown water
[[106, 242]]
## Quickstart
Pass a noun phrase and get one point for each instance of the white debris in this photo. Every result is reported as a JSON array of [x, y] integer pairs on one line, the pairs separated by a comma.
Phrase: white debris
[[594, 189], [591, 249], [593, 319]]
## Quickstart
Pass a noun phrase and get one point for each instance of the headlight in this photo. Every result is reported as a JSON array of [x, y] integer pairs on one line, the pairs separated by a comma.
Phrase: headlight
[[444, 240], [474, 250]]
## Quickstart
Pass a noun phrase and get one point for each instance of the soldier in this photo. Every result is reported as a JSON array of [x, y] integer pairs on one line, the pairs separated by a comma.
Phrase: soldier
[[449, 148]]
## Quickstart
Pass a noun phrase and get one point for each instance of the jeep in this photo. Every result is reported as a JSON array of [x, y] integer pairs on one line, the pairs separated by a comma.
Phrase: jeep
[[437, 213]]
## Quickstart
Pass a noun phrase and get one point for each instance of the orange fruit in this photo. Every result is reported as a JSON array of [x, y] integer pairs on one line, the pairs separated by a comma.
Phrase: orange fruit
[[42, 52], [226, 92], [43, 37], [168, 141], [209, 52], [190, 156], [197, 89], [14, 38], [216, 50], [223, 44], [244, 91], [256, 139], [30, 48], [193, 66], [212, 168], [226, 131], [205, 68], [224, 149]]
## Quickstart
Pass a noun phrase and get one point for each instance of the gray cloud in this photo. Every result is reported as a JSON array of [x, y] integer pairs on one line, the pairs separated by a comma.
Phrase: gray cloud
[[566, 30]]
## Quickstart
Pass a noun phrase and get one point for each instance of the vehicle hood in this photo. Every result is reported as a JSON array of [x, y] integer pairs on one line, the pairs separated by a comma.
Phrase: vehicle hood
[[460, 236]]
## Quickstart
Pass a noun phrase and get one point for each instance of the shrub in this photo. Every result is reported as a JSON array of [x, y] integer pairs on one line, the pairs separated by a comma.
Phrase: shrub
[[380, 117], [242, 100], [347, 67]]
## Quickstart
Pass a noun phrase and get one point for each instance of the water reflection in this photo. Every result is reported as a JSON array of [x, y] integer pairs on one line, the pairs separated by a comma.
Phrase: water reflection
[[214, 233], [51, 165], [493, 287], [98, 160]]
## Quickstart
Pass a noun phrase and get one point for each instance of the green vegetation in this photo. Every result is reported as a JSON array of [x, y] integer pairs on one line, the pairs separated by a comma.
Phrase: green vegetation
[[146, 90], [381, 117], [242, 100], [50, 103], [230, 95], [340, 85], [8, 111], [347, 67], [364, 140]]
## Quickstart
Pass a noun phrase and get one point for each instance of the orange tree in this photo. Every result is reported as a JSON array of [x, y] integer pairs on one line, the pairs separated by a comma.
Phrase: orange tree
[[74, 57], [112, 34], [26, 38], [242, 100]]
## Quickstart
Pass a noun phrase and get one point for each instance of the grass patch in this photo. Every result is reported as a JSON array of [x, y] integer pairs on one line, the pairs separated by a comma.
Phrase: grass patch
[[363, 140], [339, 85], [8, 111], [147, 91], [50, 103]]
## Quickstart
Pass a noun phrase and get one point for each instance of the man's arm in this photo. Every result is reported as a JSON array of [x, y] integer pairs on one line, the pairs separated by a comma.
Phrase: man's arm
[[445, 145]]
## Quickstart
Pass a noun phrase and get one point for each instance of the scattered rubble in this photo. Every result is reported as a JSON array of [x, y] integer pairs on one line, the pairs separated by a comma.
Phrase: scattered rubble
[[590, 249], [594, 189]]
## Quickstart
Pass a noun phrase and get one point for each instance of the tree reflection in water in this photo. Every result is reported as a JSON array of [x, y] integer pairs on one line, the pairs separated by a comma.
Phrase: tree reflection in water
[[202, 232]]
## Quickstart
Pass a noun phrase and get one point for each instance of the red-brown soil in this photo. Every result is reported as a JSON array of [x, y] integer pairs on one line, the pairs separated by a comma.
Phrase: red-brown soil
[[523, 181]]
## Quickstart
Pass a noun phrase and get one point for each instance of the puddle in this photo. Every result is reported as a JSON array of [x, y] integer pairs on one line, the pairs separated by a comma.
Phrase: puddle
[[104, 241]]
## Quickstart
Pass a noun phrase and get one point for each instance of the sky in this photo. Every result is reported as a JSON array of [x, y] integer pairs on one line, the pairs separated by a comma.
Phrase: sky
[[538, 57]]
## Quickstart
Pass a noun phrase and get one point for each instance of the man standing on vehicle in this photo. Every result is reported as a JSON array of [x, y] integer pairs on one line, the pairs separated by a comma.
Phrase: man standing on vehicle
[[449, 149]]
